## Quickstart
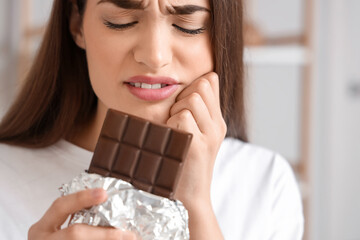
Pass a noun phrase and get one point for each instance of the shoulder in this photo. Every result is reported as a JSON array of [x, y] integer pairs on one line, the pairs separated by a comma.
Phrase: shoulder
[[263, 168], [14, 160], [20, 165], [19, 160], [61, 151], [251, 157], [10, 151], [262, 184]]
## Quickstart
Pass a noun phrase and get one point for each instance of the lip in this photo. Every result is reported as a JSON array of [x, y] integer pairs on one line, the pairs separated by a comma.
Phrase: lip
[[152, 94]]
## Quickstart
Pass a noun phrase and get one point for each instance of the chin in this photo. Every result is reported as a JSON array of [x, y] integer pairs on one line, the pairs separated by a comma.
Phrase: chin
[[156, 113]]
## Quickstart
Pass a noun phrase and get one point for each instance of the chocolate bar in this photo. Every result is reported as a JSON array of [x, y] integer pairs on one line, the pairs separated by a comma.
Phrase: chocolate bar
[[147, 155]]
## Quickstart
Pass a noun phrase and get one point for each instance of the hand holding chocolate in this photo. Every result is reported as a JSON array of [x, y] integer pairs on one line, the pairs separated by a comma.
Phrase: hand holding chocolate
[[133, 152]]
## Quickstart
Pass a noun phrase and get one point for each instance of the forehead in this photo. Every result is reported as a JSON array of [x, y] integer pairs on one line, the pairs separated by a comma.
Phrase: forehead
[[184, 2], [144, 3]]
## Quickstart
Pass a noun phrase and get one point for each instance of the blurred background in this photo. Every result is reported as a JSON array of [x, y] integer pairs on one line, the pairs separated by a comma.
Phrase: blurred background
[[303, 91]]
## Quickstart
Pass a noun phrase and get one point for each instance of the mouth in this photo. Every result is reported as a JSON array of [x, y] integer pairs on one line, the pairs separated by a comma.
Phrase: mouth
[[147, 85], [152, 88]]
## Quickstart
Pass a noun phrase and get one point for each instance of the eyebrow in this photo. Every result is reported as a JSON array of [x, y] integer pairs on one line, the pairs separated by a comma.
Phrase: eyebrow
[[127, 4], [174, 10], [186, 9]]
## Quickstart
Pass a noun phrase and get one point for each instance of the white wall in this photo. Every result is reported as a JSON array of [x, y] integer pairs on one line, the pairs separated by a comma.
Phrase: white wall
[[275, 77], [10, 41], [277, 17], [336, 119], [275, 108], [335, 109]]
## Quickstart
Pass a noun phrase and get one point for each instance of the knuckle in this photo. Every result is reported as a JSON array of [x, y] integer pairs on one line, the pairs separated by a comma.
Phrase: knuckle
[[173, 122], [213, 76], [74, 232], [204, 85], [194, 99], [185, 115]]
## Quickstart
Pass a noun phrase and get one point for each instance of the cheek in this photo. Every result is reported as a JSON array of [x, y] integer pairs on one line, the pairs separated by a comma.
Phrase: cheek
[[105, 55], [196, 57]]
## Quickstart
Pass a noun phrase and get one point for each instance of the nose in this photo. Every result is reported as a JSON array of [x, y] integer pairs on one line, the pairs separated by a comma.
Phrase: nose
[[154, 47]]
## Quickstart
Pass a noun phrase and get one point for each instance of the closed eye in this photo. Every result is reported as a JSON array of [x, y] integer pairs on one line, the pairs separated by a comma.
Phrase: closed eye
[[116, 26], [119, 26], [189, 31]]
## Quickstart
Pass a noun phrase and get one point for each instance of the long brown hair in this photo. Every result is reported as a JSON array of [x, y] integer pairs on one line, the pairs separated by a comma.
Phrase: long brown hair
[[57, 96]]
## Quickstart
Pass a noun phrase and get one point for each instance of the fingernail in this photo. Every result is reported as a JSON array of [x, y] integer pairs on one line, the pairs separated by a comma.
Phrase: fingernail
[[97, 192]]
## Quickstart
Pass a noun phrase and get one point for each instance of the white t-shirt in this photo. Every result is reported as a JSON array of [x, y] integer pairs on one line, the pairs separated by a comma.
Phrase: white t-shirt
[[254, 192]]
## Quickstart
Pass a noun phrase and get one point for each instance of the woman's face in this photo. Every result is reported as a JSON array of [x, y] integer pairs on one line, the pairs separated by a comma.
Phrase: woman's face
[[142, 54]]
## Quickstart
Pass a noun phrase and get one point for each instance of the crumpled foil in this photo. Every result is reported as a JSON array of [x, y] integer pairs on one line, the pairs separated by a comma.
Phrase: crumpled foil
[[151, 217]]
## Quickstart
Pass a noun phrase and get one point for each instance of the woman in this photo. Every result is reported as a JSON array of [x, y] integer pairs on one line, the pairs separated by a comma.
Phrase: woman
[[170, 61]]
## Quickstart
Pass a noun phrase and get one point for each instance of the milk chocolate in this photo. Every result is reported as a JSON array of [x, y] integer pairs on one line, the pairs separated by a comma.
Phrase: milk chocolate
[[147, 155]]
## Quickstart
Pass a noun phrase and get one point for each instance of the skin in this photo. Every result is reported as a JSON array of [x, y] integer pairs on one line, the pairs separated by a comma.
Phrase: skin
[[152, 47]]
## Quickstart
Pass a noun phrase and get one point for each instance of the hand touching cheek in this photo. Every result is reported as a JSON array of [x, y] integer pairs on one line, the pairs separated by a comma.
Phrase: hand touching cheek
[[197, 110]]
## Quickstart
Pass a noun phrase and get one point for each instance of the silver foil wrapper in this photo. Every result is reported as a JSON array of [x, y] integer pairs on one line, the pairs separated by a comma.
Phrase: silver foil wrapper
[[149, 216]]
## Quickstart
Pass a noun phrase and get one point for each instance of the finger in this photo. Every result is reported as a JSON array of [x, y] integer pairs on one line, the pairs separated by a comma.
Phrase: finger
[[184, 121], [211, 78], [196, 105], [214, 82], [62, 207], [207, 88], [86, 232]]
